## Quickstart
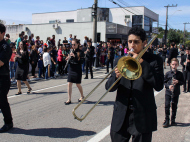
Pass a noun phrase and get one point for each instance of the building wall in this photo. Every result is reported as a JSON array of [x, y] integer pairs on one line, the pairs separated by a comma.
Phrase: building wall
[[14, 31], [84, 15], [117, 15], [64, 29], [151, 14], [41, 18]]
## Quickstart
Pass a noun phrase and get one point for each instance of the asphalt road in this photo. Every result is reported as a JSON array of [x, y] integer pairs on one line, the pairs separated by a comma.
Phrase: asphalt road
[[42, 116]]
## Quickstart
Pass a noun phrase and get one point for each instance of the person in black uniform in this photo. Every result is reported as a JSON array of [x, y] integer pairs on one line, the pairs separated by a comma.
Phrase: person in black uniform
[[5, 55], [135, 108], [89, 53], [110, 56], [172, 53], [182, 51], [164, 52], [75, 70], [172, 80], [185, 62], [22, 57]]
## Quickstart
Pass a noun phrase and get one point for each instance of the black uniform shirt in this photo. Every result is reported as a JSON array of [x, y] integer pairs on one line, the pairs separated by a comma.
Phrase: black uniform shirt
[[5, 55], [168, 81]]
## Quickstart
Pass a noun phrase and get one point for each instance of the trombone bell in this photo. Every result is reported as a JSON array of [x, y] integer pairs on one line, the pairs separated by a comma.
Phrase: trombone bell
[[129, 68]]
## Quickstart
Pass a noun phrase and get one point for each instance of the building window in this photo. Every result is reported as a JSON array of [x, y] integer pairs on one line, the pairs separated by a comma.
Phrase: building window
[[137, 21], [127, 16], [70, 20], [148, 24]]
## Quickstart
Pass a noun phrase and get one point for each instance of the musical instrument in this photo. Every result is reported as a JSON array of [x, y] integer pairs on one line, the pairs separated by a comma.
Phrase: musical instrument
[[71, 51], [174, 71], [108, 54], [86, 51], [128, 67], [186, 63]]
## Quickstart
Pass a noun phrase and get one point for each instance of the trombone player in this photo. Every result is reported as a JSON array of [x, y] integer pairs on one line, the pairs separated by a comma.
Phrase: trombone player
[[135, 108]]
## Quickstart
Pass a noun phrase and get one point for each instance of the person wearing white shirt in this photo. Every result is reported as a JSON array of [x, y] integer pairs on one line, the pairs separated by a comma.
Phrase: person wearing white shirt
[[46, 61]]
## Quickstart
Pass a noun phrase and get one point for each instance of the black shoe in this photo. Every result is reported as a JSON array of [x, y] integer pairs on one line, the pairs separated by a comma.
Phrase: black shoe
[[173, 123], [164, 67], [91, 77], [6, 128], [86, 78], [29, 91], [67, 103], [80, 100], [106, 73], [184, 91], [165, 124], [19, 93]]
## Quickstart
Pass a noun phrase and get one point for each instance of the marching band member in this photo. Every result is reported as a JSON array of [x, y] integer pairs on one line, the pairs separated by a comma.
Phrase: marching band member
[[75, 70], [110, 56], [172, 80], [185, 62], [135, 108], [89, 53]]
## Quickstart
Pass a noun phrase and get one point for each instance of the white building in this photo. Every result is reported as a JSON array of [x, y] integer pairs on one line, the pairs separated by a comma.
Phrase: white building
[[113, 23]]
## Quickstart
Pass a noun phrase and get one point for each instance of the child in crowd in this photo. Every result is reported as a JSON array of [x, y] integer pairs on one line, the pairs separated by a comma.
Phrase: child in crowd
[[172, 80]]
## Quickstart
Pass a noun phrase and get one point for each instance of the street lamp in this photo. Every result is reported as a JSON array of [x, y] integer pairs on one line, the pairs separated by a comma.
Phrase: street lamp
[[174, 13]]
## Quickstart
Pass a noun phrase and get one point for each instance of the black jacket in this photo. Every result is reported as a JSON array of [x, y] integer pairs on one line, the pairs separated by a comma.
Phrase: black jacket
[[89, 55], [5, 55], [172, 54], [77, 59], [168, 81], [142, 91], [112, 53], [183, 60]]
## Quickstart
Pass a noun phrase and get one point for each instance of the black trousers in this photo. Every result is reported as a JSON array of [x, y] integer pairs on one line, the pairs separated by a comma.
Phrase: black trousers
[[186, 75], [128, 129], [97, 61], [60, 64], [4, 105], [107, 63], [171, 102], [33, 69], [88, 64]]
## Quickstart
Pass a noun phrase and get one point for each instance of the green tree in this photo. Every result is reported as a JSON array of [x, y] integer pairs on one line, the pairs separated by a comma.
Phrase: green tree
[[187, 43], [173, 36]]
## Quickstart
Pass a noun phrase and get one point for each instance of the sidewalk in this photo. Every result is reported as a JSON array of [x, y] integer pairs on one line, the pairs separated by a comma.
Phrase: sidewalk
[[179, 133]]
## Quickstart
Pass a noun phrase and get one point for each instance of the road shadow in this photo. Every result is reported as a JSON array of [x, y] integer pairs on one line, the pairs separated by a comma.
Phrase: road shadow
[[53, 132], [47, 93], [182, 124], [100, 103]]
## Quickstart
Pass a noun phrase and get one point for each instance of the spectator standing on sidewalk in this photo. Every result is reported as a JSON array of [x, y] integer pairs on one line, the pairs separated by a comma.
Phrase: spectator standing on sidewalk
[[40, 66], [34, 59], [46, 61], [12, 62], [60, 60]]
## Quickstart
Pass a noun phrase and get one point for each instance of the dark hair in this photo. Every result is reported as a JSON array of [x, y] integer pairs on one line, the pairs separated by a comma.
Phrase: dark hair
[[138, 31], [20, 35], [2, 28], [7, 35], [45, 49]]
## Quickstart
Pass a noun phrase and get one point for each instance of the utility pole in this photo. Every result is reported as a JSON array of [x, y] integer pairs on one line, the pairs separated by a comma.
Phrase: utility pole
[[94, 14], [166, 30], [184, 33]]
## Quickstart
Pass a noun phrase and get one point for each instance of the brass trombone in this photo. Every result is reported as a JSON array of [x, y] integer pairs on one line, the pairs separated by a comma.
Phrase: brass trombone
[[128, 67]]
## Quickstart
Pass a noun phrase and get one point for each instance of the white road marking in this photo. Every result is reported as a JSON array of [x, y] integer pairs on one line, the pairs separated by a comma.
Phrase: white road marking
[[47, 88], [101, 135]]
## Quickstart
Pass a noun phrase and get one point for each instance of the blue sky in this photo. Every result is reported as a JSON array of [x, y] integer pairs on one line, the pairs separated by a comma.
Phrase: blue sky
[[20, 11]]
